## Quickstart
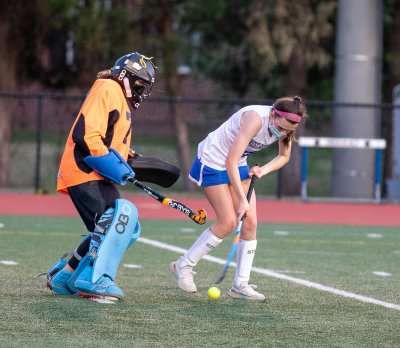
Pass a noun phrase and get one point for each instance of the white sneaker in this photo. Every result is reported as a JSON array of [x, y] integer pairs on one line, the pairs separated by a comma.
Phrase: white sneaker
[[184, 276], [247, 292]]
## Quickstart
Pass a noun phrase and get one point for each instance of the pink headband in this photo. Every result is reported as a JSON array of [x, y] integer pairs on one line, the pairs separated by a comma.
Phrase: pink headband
[[289, 116]]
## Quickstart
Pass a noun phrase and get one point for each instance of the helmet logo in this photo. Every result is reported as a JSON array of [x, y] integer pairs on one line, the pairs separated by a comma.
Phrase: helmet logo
[[122, 74], [137, 66]]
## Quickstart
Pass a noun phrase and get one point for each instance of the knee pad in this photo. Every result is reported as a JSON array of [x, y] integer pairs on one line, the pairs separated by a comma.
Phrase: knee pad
[[115, 233]]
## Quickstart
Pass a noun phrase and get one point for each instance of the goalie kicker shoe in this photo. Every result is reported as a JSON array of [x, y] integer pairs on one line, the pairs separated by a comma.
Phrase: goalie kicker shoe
[[59, 283], [104, 288], [246, 291], [57, 267], [184, 276], [57, 278]]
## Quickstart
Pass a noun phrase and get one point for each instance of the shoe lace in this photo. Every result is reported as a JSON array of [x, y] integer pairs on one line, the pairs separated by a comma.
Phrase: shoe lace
[[187, 271], [248, 288]]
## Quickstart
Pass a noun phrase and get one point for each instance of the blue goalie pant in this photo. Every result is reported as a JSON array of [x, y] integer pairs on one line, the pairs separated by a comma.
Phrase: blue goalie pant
[[115, 232]]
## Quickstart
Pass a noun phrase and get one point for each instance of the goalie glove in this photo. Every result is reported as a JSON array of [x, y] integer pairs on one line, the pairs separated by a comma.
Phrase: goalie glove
[[111, 166]]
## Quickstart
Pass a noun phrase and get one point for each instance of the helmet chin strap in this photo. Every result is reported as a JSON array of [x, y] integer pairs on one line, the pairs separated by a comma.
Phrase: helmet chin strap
[[127, 88]]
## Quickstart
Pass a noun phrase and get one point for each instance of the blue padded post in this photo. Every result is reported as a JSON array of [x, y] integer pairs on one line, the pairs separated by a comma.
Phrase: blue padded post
[[378, 164], [304, 174]]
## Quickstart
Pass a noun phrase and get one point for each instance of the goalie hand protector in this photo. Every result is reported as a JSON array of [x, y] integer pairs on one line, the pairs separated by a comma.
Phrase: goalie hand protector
[[111, 166], [154, 170]]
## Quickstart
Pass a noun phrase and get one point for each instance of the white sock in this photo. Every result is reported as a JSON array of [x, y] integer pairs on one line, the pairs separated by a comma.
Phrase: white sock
[[206, 242], [246, 250]]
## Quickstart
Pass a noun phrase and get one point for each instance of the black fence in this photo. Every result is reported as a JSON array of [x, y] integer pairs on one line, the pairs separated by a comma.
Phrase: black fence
[[40, 124]]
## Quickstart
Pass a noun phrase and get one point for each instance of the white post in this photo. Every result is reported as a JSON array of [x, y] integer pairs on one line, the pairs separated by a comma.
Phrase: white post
[[357, 81]]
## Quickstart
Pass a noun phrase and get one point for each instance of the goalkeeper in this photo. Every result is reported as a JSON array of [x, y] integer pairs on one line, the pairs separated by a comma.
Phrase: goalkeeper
[[95, 159]]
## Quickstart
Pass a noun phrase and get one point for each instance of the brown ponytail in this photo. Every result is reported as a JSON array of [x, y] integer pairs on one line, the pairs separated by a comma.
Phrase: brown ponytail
[[105, 74]]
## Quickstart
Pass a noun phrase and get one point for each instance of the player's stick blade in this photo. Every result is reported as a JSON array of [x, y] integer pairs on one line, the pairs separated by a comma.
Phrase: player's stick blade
[[220, 278]]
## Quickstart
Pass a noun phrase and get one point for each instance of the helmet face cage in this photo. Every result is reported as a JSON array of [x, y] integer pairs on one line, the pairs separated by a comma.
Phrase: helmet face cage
[[132, 68], [138, 92]]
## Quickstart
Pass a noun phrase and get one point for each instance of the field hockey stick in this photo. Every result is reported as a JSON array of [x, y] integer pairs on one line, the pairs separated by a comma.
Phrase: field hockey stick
[[237, 235], [200, 218]]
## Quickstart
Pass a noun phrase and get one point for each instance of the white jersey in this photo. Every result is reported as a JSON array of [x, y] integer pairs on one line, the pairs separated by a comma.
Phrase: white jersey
[[214, 149]]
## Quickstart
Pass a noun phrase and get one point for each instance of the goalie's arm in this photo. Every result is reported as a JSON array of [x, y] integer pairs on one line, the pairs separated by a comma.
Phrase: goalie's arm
[[111, 166]]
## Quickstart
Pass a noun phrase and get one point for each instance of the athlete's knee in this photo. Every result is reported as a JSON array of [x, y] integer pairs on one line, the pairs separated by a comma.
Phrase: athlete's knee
[[250, 223], [231, 225], [249, 229], [227, 224]]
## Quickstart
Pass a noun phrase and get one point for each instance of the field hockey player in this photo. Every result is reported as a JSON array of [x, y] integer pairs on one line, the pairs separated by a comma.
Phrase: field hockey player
[[93, 163], [220, 167]]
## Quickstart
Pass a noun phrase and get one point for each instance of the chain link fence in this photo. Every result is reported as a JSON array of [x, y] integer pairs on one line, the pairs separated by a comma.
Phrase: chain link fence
[[40, 124]]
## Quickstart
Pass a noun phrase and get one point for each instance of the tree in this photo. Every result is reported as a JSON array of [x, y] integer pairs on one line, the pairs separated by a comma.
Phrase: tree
[[234, 42], [11, 52], [169, 48], [299, 31], [81, 38], [263, 48], [160, 20], [34, 36]]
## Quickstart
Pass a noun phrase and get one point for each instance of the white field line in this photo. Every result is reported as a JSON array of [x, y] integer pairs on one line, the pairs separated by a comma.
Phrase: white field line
[[273, 274]]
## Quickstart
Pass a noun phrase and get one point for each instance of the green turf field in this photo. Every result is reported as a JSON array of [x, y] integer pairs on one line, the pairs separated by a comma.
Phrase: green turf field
[[157, 314]]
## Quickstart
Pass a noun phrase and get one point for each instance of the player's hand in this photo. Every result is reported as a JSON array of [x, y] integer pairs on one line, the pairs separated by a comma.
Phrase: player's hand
[[242, 209], [256, 170]]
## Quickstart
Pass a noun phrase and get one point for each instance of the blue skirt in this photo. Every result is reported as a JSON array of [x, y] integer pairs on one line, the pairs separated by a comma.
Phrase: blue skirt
[[207, 176]]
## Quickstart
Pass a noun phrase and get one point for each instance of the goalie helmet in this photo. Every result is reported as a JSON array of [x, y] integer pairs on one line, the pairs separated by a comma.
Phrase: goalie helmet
[[128, 70]]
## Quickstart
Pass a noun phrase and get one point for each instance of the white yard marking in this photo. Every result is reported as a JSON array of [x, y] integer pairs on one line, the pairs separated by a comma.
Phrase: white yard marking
[[103, 300], [289, 271], [188, 229], [1, 225], [312, 252], [131, 265], [281, 233], [374, 235], [8, 262], [397, 252], [273, 274], [382, 274]]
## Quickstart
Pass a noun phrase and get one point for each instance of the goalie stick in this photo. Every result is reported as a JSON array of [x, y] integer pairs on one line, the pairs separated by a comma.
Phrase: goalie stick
[[199, 218]]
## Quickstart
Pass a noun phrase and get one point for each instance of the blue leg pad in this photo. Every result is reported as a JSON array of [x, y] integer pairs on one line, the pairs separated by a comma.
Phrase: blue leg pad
[[115, 232], [85, 262], [59, 283], [58, 266], [108, 247], [135, 235]]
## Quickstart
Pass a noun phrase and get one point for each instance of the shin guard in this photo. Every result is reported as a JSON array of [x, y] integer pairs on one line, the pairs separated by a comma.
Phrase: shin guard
[[114, 241], [115, 231]]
